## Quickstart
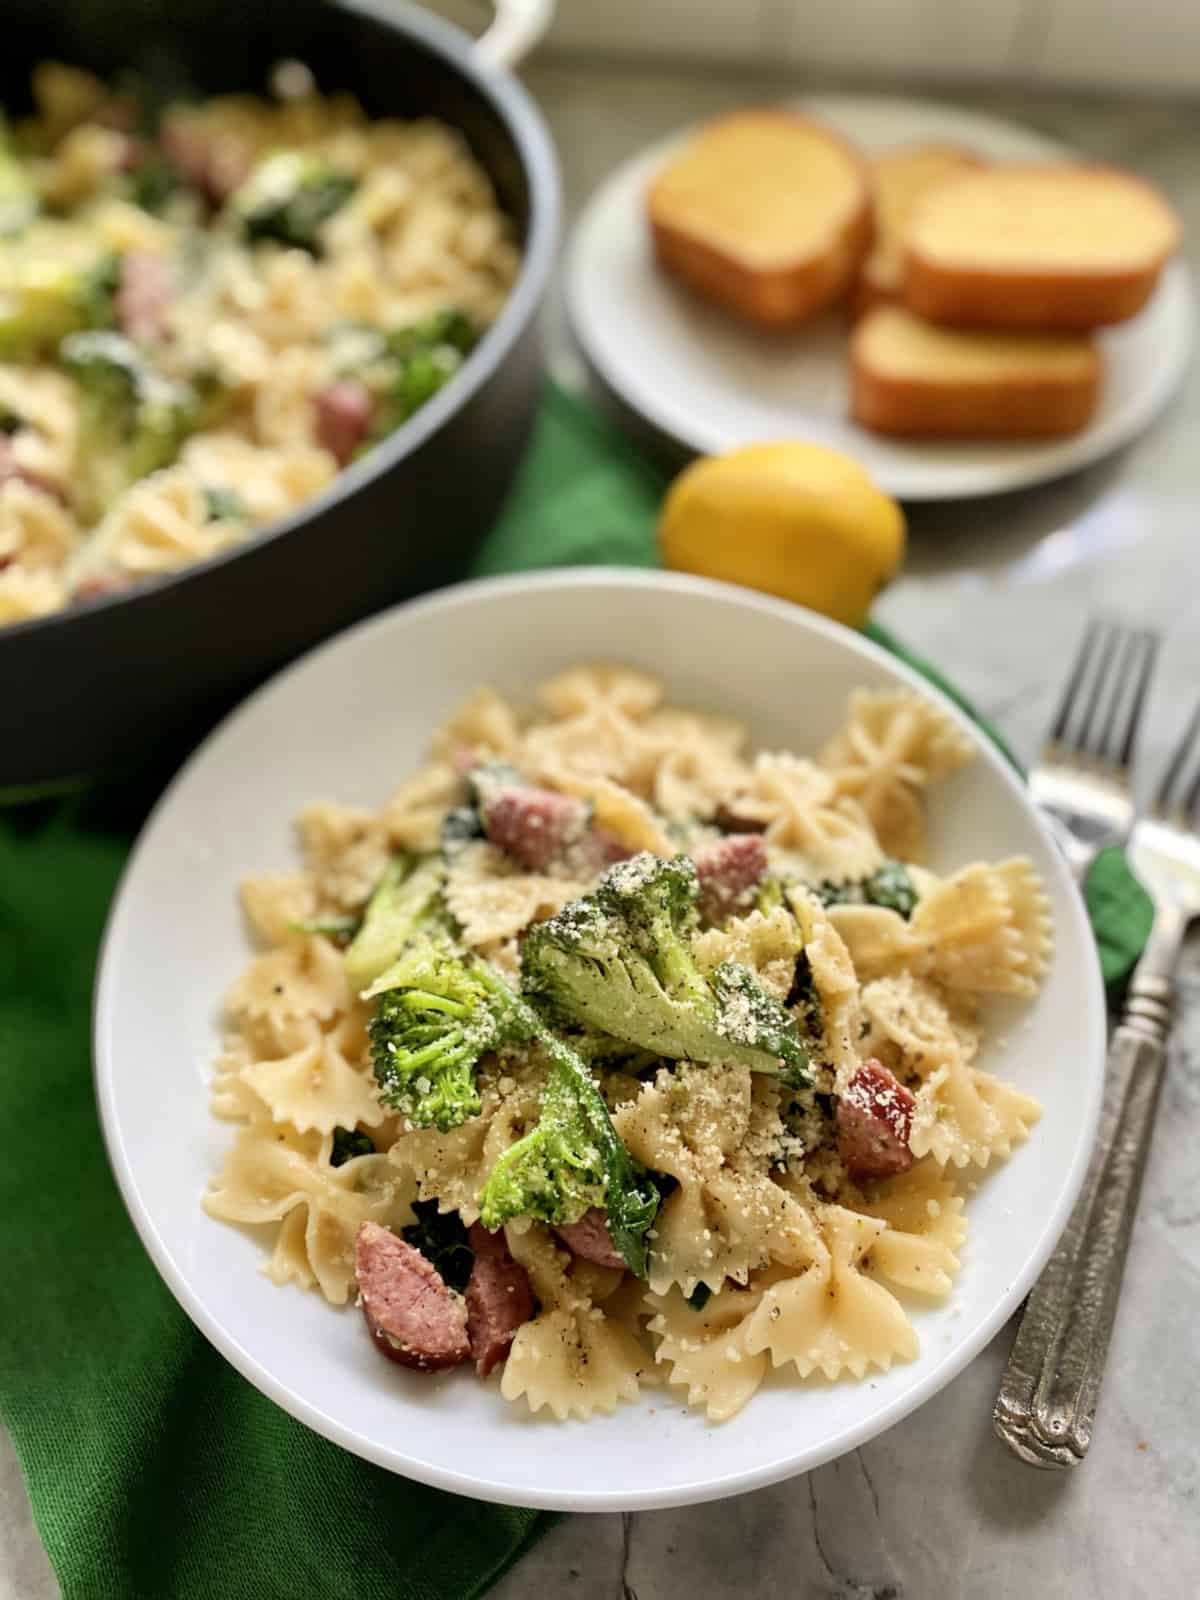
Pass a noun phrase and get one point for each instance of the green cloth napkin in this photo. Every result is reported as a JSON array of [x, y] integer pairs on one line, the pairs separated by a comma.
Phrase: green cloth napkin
[[155, 1471]]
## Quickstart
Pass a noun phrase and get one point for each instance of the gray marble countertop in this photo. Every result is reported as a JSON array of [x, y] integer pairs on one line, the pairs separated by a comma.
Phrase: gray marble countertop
[[996, 592]]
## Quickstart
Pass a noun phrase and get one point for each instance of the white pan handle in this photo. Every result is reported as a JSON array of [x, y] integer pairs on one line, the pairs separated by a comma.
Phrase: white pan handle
[[515, 29]]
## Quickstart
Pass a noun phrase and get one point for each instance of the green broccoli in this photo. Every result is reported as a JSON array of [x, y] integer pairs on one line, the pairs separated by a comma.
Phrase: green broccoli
[[404, 367], [405, 899], [154, 181], [223, 505], [288, 196], [619, 961], [41, 302], [132, 420], [348, 1144], [573, 1160], [18, 194], [438, 1012], [891, 887]]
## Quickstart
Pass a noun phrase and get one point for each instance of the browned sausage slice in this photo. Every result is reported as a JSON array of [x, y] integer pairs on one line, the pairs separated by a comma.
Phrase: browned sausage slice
[[874, 1120], [532, 825], [728, 870], [412, 1316], [499, 1298], [343, 417], [589, 1239]]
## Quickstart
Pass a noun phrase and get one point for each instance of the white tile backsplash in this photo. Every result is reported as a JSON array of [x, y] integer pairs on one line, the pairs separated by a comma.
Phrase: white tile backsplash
[[1121, 43], [1108, 43], [925, 38], [719, 29]]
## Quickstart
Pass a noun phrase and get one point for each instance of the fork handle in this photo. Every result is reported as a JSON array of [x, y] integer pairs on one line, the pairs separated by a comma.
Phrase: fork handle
[[1047, 1400]]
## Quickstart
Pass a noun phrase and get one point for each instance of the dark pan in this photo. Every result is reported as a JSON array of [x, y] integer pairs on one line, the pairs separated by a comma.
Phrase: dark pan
[[130, 679]]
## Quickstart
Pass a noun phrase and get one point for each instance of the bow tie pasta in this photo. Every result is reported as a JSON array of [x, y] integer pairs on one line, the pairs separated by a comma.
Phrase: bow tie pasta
[[608, 1051]]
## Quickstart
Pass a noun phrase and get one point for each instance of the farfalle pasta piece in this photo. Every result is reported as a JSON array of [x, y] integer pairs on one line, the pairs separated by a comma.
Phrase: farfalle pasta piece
[[273, 1172], [714, 1132], [926, 1225], [570, 1359], [985, 929], [966, 1116], [27, 592], [413, 815], [583, 689], [765, 943], [485, 725], [493, 903], [830, 1317], [825, 836], [345, 849], [690, 763], [704, 1351], [915, 1016], [835, 982], [299, 981], [895, 742], [274, 902], [323, 1085]]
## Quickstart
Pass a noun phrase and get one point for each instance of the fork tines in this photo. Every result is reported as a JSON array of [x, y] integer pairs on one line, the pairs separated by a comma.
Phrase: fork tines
[[1178, 797], [1102, 704]]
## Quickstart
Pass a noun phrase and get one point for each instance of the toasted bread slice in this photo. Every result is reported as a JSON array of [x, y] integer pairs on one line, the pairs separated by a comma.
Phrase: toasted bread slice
[[912, 379], [900, 178], [764, 212], [1055, 247]]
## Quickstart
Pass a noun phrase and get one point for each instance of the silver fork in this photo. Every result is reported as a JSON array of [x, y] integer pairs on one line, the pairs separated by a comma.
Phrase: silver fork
[[1082, 780], [1047, 1401]]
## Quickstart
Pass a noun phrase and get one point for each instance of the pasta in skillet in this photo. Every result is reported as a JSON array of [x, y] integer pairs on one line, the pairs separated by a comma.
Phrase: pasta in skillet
[[208, 307], [610, 1051]]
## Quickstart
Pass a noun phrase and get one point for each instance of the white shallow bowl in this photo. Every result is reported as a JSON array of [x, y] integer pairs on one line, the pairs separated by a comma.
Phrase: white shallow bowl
[[348, 722], [712, 384]]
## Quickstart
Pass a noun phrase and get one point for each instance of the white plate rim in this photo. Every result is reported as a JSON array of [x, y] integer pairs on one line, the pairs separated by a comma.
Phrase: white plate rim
[[1040, 462], [600, 1500]]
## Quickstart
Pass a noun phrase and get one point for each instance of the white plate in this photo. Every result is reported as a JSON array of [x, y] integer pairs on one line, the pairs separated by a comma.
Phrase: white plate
[[348, 722], [712, 384]]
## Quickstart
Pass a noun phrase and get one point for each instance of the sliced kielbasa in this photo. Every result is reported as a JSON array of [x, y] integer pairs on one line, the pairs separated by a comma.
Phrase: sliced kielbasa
[[411, 1314], [531, 825], [874, 1120], [143, 295], [499, 1298], [590, 1240], [343, 417], [728, 869]]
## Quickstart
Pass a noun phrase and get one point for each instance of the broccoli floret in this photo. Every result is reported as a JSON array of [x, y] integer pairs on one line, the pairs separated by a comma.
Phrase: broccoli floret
[[340, 929], [288, 196], [620, 962], [890, 887], [41, 302], [437, 1013], [447, 329], [573, 1160], [441, 1239], [154, 181], [405, 899], [222, 505], [348, 1143], [132, 420], [18, 195]]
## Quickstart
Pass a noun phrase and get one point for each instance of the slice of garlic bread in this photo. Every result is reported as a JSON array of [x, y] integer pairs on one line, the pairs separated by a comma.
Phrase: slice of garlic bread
[[912, 379], [764, 212], [1057, 247]]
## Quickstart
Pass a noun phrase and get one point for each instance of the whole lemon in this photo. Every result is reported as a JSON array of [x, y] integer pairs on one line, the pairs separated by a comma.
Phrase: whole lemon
[[797, 520]]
